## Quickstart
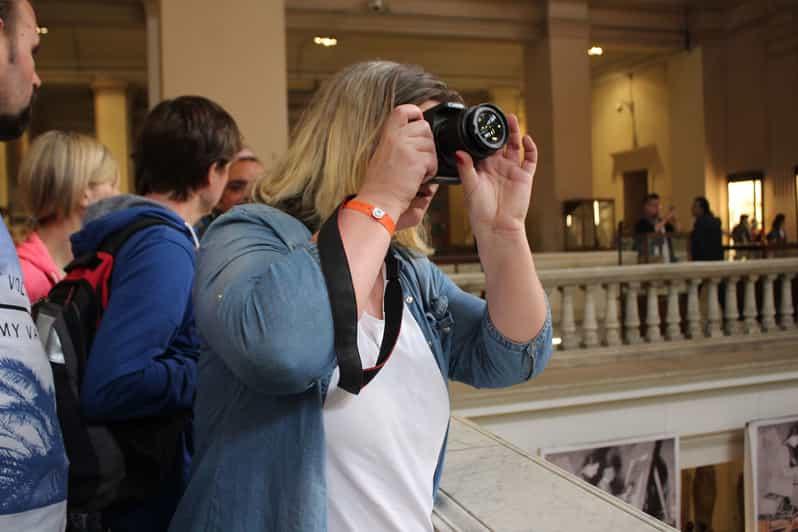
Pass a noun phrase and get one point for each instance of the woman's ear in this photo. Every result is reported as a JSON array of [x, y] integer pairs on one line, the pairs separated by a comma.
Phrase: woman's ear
[[85, 199], [218, 170]]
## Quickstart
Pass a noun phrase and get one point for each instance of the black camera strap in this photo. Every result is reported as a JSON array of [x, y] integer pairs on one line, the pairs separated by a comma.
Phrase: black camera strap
[[338, 278]]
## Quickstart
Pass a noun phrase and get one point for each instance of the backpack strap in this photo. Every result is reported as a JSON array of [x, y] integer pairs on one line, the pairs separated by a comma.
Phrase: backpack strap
[[111, 243], [115, 240]]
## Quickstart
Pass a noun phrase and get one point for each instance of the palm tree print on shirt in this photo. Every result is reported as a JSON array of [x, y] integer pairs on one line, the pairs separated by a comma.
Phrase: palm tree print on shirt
[[33, 468]]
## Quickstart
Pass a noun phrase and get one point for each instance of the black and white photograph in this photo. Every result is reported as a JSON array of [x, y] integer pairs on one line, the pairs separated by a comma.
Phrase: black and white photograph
[[642, 472], [772, 492]]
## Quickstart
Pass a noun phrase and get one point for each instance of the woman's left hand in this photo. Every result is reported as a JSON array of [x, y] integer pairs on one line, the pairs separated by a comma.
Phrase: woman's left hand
[[498, 189]]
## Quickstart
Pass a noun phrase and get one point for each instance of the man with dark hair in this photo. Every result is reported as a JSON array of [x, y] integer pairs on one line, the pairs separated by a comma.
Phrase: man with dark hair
[[706, 240], [650, 230], [244, 171], [33, 464], [142, 364]]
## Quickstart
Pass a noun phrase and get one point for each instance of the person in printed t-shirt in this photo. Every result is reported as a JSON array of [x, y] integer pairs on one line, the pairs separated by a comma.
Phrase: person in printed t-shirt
[[33, 463]]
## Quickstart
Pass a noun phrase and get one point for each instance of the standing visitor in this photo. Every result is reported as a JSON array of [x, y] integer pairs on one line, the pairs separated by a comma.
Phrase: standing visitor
[[61, 175], [280, 445], [33, 482]]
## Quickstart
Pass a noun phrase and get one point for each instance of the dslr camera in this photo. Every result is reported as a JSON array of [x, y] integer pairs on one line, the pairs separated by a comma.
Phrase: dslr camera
[[480, 131]]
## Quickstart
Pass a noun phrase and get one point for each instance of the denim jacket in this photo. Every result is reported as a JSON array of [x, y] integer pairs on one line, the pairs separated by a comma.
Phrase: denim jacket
[[267, 358]]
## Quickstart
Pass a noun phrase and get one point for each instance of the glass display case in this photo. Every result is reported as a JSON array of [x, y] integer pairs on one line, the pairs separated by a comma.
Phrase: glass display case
[[589, 224]]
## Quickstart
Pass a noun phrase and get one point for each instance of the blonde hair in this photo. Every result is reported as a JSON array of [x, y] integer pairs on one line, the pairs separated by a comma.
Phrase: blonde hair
[[58, 169], [336, 137]]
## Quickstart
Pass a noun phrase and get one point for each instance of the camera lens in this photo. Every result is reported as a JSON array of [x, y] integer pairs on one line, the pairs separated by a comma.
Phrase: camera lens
[[490, 128], [484, 130]]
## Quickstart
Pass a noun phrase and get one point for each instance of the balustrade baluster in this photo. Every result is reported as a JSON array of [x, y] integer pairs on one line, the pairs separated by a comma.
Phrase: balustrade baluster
[[674, 318], [731, 312], [611, 325], [787, 314], [653, 333], [589, 323], [569, 339], [768, 304], [750, 324], [694, 331], [714, 329], [632, 325]]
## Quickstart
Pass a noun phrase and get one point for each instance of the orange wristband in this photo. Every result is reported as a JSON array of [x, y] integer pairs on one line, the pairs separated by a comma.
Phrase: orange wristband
[[374, 213]]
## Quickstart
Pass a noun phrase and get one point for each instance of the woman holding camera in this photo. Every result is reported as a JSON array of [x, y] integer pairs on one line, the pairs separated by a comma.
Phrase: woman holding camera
[[279, 445]]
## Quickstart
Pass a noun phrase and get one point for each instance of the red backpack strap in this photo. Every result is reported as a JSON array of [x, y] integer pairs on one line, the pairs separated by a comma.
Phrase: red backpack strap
[[96, 267]]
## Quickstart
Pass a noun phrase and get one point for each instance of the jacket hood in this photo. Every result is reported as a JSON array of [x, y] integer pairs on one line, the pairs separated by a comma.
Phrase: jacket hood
[[112, 214]]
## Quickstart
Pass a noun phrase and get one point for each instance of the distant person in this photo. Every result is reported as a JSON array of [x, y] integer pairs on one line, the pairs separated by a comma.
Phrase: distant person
[[741, 234], [33, 463], [777, 235], [245, 170], [706, 241], [61, 175], [652, 228], [757, 234]]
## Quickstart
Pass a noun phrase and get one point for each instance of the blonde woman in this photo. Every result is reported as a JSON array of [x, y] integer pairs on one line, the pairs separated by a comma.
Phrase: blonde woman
[[61, 175], [279, 446]]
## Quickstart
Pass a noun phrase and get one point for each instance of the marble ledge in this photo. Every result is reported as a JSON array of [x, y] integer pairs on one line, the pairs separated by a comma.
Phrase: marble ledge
[[488, 484]]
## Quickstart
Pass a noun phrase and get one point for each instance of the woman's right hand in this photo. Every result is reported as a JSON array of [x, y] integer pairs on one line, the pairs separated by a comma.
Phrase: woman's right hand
[[405, 157]]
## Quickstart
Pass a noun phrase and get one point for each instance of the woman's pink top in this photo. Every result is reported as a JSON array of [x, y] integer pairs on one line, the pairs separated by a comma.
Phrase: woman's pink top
[[39, 271]]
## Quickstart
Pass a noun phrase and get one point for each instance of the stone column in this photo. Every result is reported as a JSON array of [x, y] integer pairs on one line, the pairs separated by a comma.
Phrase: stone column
[[558, 104], [236, 57], [511, 101], [152, 10], [112, 126]]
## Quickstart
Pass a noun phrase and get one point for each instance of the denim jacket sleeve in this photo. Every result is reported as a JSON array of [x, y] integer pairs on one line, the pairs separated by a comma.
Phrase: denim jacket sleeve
[[480, 355], [261, 301]]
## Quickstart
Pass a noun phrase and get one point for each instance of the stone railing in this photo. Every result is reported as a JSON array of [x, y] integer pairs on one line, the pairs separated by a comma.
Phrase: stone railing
[[612, 306]]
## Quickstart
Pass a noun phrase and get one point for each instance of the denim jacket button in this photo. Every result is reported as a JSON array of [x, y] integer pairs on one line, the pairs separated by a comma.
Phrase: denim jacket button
[[447, 330], [219, 297], [409, 300]]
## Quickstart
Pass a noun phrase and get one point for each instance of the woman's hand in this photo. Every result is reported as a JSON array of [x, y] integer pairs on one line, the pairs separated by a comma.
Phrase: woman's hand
[[404, 159], [498, 189], [497, 196]]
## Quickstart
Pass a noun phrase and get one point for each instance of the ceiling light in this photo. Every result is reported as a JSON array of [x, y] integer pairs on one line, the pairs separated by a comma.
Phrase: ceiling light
[[42, 30], [325, 41], [595, 50]]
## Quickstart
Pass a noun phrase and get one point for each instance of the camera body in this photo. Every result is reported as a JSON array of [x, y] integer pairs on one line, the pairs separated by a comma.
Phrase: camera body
[[481, 131]]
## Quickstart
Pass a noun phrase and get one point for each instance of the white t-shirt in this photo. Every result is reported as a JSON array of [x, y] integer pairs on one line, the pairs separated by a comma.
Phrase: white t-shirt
[[383, 445]]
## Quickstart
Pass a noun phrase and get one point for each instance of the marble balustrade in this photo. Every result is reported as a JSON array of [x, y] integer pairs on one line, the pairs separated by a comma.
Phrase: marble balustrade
[[664, 302]]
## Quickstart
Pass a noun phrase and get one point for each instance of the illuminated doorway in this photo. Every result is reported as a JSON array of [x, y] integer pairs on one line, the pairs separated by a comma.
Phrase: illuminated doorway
[[745, 197]]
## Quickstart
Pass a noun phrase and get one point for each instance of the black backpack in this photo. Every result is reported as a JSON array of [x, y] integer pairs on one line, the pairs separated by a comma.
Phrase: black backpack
[[110, 463]]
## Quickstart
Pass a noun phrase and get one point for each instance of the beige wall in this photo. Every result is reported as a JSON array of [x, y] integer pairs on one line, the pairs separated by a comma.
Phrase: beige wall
[[112, 126], [725, 107], [558, 114], [614, 133], [751, 116], [687, 132], [236, 57]]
